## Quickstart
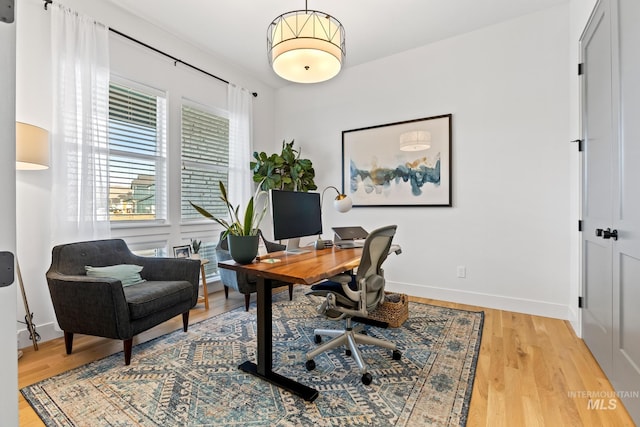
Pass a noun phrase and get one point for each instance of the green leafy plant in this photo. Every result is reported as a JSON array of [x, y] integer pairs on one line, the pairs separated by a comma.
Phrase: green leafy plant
[[239, 225], [284, 171], [195, 245]]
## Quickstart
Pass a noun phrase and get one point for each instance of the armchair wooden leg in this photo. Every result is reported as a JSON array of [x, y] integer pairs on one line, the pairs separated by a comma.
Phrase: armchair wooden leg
[[128, 344], [226, 292], [247, 298], [68, 341], [290, 291], [185, 320]]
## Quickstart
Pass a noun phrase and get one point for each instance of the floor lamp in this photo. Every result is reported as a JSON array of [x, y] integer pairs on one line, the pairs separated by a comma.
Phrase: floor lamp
[[32, 153]]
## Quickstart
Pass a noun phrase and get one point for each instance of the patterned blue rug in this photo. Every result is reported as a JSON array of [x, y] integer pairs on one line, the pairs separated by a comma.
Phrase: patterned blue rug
[[193, 379]]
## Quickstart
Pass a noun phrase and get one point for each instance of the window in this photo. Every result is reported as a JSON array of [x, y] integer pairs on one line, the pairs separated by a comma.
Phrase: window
[[205, 161], [137, 154]]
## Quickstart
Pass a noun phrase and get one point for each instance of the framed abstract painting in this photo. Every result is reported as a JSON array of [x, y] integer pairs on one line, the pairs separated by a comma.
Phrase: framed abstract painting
[[399, 164]]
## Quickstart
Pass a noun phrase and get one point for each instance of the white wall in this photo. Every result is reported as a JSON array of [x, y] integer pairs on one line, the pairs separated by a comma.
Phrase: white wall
[[33, 105], [507, 88]]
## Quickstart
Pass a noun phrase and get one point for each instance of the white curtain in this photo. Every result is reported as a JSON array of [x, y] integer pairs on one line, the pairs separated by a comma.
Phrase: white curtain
[[80, 195], [240, 188]]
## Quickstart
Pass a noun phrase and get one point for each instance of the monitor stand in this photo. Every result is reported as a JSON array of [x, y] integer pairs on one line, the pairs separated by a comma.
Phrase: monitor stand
[[293, 246]]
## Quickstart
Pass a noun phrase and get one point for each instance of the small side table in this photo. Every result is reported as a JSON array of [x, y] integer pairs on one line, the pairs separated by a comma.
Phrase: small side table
[[205, 292]]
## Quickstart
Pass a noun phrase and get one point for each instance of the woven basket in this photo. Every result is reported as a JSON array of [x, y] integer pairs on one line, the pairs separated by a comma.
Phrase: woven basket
[[394, 310]]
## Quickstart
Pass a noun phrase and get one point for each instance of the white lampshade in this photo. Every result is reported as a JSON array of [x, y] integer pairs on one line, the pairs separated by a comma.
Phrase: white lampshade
[[342, 203], [306, 46], [32, 147], [415, 140]]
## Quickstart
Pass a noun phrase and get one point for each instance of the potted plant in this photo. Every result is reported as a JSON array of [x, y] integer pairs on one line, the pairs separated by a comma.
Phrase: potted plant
[[284, 171], [241, 230], [195, 245]]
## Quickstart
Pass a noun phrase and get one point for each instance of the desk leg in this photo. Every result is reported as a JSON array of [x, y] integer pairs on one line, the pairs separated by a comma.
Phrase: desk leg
[[265, 327], [265, 348]]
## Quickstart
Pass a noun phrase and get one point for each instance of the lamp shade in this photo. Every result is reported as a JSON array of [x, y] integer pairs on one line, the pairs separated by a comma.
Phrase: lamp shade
[[32, 147], [342, 203], [415, 140], [306, 46]]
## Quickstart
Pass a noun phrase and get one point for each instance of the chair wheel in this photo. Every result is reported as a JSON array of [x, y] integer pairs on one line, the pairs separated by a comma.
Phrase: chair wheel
[[348, 352], [317, 339], [366, 378], [397, 355], [310, 365]]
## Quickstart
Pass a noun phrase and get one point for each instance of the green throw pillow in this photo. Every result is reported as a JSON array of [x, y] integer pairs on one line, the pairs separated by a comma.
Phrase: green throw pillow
[[128, 274]]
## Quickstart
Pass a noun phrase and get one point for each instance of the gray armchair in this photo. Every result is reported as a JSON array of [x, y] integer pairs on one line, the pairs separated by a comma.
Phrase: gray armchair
[[102, 306], [240, 281]]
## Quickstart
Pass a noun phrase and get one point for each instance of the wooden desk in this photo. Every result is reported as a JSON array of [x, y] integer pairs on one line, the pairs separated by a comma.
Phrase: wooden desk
[[307, 268]]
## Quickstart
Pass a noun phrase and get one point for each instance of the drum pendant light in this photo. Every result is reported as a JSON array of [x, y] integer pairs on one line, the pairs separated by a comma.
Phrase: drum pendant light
[[306, 46]]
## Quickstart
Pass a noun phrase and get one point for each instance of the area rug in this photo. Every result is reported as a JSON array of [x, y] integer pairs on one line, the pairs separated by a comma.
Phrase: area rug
[[192, 379]]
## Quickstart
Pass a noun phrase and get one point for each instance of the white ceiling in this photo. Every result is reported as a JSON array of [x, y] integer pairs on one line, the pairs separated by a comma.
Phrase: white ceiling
[[237, 29]]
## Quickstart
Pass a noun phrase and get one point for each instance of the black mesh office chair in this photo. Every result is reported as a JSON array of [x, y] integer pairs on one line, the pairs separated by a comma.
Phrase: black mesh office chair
[[355, 299]]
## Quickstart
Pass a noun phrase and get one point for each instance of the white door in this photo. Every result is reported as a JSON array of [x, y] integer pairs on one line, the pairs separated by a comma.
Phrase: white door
[[611, 195], [626, 216], [598, 135], [9, 347]]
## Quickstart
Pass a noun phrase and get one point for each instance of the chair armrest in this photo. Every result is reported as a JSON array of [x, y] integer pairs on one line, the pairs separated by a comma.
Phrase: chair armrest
[[90, 305], [222, 255], [238, 280], [172, 269]]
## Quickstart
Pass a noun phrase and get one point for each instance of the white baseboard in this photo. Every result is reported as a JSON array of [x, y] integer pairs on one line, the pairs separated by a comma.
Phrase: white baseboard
[[576, 321], [46, 331], [519, 305]]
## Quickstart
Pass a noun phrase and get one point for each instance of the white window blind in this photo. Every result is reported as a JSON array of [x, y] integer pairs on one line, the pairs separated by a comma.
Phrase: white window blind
[[205, 161], [137, 154]]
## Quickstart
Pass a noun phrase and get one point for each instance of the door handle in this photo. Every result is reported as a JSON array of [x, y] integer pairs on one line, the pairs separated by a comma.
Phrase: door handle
[[607, 234]]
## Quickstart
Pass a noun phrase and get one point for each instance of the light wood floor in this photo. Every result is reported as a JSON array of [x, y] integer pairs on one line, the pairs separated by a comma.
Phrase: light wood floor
[[532, 371]]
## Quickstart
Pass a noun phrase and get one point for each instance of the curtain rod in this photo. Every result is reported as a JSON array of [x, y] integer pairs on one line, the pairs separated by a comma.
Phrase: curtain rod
[[175, 60]]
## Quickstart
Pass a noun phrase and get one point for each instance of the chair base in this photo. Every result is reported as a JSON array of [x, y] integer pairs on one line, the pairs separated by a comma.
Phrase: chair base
[[350, 338]]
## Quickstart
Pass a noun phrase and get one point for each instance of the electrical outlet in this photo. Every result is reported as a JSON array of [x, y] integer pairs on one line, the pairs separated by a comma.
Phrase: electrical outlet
[[462, 271]]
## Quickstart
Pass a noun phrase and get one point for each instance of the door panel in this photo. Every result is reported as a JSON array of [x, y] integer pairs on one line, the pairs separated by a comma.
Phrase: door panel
[[626, 251], [597, 317], [598, 268], [629, 318]]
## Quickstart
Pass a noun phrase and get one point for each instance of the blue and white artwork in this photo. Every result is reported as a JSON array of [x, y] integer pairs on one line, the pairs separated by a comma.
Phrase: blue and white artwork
[[382, 167]]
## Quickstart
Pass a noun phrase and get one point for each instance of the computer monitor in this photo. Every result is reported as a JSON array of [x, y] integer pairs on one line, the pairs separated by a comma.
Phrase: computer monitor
[[295, 214]]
